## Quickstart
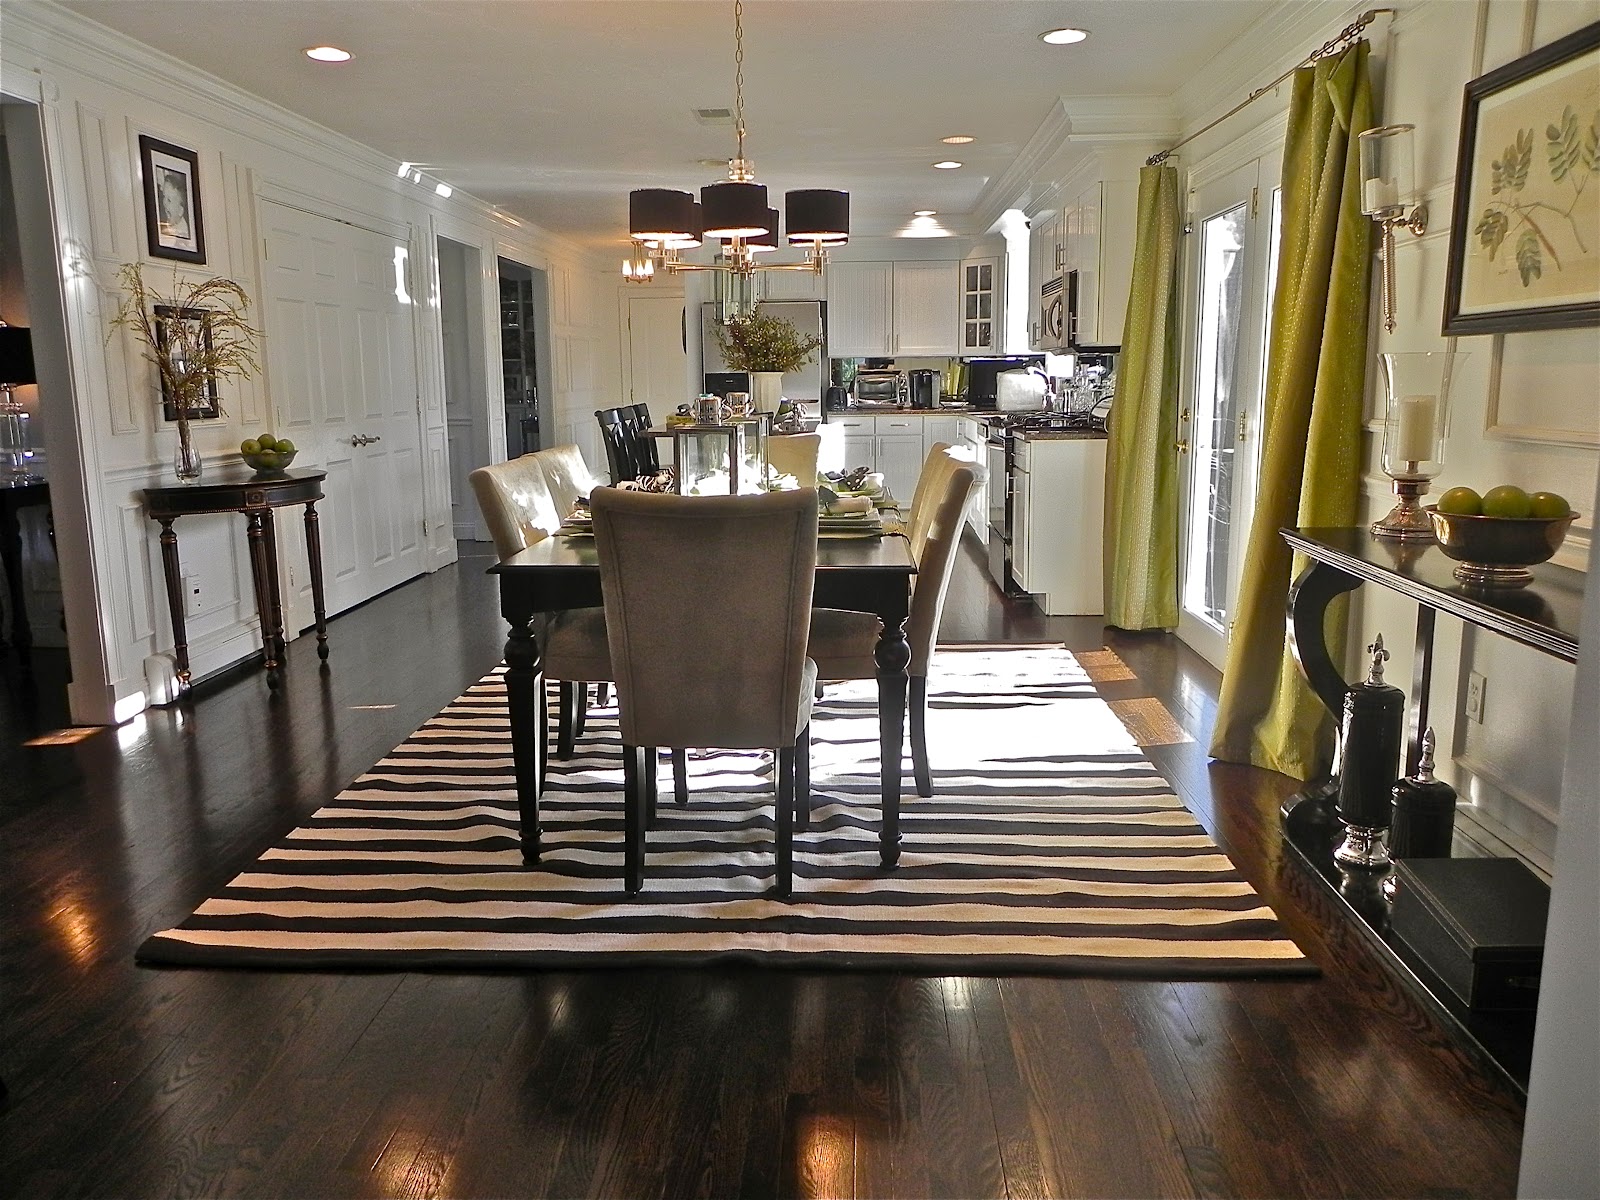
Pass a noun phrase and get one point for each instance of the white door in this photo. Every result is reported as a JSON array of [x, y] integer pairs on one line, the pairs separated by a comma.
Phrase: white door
[[658, 369], [1232, 261], [860, 297], [899, 460], [927, 308], [341, 352]]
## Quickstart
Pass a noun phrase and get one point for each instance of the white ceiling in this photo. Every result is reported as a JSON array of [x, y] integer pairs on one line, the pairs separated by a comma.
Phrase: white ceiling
[[554, 109]]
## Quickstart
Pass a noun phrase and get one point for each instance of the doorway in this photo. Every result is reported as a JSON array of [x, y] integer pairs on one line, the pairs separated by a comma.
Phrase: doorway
[[525, 356], [1232, 263]]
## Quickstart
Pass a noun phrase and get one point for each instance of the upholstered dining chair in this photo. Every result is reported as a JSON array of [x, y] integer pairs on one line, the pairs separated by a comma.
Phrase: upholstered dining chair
[[842, 643], [519, 508], [795, 454], [619, 454], [692, 672]]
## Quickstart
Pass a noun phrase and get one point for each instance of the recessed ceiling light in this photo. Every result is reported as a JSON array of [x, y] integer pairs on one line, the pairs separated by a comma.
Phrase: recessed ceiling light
[[1063, 37], [328, 54], [948, 164], [925, 212], [957, 139]]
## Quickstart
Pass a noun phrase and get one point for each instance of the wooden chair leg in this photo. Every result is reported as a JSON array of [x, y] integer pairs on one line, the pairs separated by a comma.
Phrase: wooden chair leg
[[544, 733], [784, 850], [633, 819], [652, 763], [564, 737], [680, 776], [802, 778], [581, 692], [602, 693], [918, 703]]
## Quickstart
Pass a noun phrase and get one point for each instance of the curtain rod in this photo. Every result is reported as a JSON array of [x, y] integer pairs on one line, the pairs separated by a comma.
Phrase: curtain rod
[[1348, 34]]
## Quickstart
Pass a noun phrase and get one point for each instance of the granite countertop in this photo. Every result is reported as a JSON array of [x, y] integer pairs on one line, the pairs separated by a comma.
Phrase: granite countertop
[[890, 410], [1062, 435]]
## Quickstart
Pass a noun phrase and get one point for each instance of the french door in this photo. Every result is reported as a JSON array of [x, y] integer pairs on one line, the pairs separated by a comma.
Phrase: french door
[[1231, 265]]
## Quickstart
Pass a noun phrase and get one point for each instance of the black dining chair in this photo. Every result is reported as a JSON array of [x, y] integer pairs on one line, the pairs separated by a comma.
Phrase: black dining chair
[[636, 420], [619, 446]]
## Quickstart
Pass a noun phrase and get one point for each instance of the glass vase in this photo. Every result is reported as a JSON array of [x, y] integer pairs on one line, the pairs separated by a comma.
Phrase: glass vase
[[186, 464]]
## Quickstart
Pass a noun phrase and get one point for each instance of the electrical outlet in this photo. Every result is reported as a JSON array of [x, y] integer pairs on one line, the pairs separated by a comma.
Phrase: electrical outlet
[[1476, 684], [193, 601]]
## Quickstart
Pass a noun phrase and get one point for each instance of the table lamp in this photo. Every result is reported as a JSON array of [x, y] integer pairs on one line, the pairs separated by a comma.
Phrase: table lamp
[[16, 370]]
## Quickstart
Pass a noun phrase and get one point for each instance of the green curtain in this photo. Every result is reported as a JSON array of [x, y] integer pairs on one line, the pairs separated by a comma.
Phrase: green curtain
[[1141, 515], [1311, 463]]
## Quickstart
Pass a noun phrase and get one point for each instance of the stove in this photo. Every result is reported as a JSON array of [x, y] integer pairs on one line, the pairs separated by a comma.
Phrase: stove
[[1059, 422]]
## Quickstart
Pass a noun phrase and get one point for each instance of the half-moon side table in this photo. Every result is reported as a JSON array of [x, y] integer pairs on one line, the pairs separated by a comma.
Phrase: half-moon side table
[[240, 490]]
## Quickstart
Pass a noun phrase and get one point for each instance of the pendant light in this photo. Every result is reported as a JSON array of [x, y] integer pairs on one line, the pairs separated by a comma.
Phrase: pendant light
[[665, 221]]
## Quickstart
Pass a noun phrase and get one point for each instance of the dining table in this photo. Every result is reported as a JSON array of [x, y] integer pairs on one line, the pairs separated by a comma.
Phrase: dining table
[[559, 573]]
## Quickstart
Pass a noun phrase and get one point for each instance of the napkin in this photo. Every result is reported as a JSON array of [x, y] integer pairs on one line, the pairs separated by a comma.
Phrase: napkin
[[846, 505]]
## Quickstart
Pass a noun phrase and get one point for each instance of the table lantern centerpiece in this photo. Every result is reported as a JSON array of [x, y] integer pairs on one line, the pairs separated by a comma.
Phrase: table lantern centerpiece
[[196, 334], [768, 347], [1416, 392], [728, 458]]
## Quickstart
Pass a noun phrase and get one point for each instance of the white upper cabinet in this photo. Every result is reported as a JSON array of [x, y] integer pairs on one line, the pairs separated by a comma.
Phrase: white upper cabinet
[[1099, 247], [860, 296], [982, 299], [792, 285], [880, 309], [926, 308]]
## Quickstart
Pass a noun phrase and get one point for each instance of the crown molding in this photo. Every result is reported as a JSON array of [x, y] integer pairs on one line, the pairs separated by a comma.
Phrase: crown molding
[[1074, 133], [46, 41]]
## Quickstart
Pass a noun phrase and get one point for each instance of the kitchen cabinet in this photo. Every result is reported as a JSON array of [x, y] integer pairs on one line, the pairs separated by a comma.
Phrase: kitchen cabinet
[[973, 437], [894, 444], [982, 299], [1058, 506], [1099, 247], [792, 285], [880, 309]]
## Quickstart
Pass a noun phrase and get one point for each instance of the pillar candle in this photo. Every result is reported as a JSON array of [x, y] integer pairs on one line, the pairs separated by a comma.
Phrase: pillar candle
[[1381, 194], [1414, 429]]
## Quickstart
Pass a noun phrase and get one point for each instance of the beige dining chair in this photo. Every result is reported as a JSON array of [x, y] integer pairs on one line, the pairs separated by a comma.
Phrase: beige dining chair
[[795, 454], [519, 508], [843, 643], [693, 668]]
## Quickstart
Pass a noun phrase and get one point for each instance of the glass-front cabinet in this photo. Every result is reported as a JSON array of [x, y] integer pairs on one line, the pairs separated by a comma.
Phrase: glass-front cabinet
[[980, 299]]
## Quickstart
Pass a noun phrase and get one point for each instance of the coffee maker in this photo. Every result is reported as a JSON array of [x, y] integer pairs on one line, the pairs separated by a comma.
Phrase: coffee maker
[[923, 386]]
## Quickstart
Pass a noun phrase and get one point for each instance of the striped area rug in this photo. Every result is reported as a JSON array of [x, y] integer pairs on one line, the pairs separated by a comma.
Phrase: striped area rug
[[1051, 845]]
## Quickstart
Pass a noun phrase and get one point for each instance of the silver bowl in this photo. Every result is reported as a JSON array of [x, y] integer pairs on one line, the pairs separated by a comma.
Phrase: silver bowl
[[1497, 551]]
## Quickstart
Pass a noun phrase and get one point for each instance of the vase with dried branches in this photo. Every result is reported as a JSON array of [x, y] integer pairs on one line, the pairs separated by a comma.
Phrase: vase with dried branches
[[196, 333]]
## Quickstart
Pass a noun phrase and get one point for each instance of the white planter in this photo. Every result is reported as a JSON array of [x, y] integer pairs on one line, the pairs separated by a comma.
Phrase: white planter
[[766, 389]]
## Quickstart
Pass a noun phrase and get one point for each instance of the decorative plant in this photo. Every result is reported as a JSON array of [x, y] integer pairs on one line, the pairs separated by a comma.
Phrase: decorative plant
[[762, 342], [195, 333]]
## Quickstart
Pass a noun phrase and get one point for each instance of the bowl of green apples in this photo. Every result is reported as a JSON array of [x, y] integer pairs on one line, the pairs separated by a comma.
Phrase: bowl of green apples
[[266, 455], [1495, 537]]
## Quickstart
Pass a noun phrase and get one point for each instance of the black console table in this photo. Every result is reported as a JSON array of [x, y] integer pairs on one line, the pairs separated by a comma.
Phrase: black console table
[[1544, 615], [239, 490], [14, 497]]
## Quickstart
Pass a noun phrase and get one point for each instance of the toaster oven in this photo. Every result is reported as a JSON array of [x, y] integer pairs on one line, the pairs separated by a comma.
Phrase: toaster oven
[[880, 387]]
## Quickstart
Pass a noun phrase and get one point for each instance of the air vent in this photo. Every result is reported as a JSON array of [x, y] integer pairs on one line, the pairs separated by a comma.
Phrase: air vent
[[713, 116]]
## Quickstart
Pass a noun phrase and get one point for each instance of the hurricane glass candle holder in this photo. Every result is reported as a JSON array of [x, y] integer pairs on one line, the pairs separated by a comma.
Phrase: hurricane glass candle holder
[[1416, 396]]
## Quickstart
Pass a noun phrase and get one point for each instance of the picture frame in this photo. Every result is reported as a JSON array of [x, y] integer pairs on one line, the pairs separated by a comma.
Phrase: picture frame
[[165, 315], [1525, 223], [173, 222]]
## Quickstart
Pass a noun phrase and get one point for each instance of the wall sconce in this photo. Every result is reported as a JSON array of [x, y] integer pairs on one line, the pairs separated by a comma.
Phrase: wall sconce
[[1387, 194]]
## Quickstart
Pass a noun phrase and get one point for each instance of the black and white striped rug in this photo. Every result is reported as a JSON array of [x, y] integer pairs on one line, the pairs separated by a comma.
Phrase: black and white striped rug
[[1052, 844]]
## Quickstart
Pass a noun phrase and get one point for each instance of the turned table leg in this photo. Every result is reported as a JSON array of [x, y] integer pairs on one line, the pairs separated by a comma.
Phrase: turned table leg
[[257, 536], [173, 571], [314, 557], [893, 657]]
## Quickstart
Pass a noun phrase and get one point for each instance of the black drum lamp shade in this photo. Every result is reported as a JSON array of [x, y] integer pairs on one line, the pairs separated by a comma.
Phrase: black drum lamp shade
[[16, 356], [820, 215], [734, 209], [697, 230], [762, 242], [660, 214]]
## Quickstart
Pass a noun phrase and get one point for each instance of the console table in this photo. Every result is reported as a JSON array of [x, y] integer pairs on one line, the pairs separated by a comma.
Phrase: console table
[[1544, 615], [239, 490], [14, 497]]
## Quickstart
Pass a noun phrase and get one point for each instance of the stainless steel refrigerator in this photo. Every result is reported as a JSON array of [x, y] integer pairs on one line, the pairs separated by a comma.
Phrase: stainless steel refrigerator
[[809, 317]]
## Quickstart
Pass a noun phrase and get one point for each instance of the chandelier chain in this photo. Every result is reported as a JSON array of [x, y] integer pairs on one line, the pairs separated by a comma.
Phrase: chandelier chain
[[738, 72]]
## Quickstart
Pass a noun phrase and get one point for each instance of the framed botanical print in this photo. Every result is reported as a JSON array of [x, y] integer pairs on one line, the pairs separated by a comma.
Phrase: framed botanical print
[[172, 219], [1525, 230], [196, 334]]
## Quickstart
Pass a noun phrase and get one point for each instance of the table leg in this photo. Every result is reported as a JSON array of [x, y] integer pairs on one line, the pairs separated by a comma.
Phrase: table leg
[[314, 557], [525, 700], [257, 536], [893, 657], [11, 557], [269, 526], [1421, 682], [173, 571]]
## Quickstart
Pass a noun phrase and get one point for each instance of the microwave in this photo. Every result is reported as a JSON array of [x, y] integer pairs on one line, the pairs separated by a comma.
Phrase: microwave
[[880, 387], [1058, 305]]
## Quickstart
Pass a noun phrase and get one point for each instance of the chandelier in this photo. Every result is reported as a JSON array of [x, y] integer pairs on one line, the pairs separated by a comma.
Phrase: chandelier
[[664, 222]]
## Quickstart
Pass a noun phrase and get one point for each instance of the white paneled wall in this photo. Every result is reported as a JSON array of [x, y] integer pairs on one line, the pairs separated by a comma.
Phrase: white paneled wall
[[96, 94]]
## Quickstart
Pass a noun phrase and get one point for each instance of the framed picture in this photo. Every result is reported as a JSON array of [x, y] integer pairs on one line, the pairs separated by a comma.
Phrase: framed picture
[[196, 333], [1525, 230], [172, 221]]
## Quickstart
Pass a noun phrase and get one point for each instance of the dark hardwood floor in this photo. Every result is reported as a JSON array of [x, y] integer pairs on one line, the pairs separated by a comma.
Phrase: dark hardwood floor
[[136, 1082]]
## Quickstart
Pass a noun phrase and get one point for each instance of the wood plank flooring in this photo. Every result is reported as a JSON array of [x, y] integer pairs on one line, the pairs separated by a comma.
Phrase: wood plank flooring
[[135, 1082]]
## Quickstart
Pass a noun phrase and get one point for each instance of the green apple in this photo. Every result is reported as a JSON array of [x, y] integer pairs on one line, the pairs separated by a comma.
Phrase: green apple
[[1507, 500], [249, 446], [267, 442], [1460, 502], [1548, 504], [285, 446]]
